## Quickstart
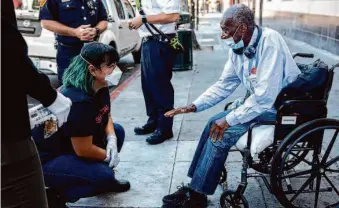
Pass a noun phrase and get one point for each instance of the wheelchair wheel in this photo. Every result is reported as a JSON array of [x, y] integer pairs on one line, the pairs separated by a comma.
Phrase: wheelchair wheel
[[228, 199], [314, 182]]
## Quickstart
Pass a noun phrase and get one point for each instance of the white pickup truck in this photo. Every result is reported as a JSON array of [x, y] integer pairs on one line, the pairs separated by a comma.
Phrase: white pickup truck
[[41, 42]]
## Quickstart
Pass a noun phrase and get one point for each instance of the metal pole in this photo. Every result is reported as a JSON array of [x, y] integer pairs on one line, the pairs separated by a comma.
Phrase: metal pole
[[253, 6], [193, 14], [197, 23], [260, 12]]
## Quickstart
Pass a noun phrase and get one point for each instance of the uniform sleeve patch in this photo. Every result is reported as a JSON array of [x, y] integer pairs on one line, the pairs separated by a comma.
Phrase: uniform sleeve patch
[[42, 2]]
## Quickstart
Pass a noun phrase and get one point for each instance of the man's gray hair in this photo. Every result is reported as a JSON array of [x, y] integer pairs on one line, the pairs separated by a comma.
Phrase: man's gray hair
[[243, 14]]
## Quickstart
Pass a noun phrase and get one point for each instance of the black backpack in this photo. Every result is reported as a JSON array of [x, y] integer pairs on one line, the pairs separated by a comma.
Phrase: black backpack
[[310, 84]]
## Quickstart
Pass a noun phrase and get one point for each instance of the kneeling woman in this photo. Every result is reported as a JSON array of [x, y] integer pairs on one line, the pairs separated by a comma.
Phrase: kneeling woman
[[78, 160]]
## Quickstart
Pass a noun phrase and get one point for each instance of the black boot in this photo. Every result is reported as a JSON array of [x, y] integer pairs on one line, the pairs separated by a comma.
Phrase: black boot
[[121, 186], [145, 129], [159, 137], [55, 200]]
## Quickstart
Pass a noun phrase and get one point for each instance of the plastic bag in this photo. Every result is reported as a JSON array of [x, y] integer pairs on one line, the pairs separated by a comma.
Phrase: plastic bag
[[262, 137]]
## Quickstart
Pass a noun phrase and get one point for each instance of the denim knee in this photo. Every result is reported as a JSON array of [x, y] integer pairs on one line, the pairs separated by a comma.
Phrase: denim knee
[[120, 133]]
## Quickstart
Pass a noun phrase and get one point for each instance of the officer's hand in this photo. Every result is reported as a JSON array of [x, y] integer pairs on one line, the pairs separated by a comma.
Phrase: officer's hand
[[89, 34], [135, 23], [218, 129], [80, 31], [181, 110]]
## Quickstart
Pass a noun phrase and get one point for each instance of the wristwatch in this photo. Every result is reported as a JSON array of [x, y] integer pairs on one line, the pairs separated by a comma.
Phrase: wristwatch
[[144, 19]]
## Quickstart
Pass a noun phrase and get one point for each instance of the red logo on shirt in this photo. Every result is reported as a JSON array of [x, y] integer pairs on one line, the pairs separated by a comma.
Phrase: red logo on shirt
[[254, 70], [102, 112]]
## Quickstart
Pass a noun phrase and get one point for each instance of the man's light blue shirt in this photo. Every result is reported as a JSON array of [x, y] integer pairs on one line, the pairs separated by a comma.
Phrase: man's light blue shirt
[[264, 76]]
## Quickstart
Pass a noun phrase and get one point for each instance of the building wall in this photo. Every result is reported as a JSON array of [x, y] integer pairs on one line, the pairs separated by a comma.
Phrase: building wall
[[313, 21]]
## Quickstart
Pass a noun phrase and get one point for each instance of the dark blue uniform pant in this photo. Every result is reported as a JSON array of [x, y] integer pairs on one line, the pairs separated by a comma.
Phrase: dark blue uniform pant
[[156, 73], [76, 178], [65, 54]]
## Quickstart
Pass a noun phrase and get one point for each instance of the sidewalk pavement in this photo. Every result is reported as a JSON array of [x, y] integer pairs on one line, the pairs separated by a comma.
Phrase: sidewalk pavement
[[155, 171]]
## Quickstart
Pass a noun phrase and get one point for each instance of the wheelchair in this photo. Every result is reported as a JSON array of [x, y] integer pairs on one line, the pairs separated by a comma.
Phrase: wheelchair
[[301, 167]]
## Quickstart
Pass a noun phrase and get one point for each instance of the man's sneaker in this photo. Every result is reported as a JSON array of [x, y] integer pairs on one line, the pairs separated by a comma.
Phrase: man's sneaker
[[185, 197], [159, 137], [145, 129]]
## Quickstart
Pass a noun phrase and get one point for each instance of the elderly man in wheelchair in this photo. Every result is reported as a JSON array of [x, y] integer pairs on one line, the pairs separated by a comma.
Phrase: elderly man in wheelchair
[[260, 60]]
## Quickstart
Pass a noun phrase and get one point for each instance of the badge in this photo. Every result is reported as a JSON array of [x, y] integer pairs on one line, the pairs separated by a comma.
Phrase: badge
[[42, 2]]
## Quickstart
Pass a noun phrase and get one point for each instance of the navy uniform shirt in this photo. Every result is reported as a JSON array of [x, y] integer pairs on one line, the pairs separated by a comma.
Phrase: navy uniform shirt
[[73, 13], [88, 117]]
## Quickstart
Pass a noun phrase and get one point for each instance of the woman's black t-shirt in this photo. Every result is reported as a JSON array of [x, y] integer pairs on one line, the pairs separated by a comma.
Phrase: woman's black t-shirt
[[88, 117]]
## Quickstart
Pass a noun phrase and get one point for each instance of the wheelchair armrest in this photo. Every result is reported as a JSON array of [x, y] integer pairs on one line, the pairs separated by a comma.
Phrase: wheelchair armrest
[[303, 55], [256, 124]]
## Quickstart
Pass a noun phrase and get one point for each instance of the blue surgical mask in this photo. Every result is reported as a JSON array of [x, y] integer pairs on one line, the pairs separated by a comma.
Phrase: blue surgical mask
[[238, 48]]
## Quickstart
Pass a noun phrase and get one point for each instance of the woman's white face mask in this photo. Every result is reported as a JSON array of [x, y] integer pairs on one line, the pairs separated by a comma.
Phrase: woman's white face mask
[[114, 77]]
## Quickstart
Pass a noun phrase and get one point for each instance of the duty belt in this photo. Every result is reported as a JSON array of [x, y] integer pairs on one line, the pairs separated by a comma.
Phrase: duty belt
[[158, 37], [70, 45]]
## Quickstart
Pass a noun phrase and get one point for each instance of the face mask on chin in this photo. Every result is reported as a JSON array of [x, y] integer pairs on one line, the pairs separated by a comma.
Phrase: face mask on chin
[[238, 48]]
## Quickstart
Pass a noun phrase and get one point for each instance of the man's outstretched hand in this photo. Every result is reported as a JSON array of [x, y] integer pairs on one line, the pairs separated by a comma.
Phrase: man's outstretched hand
[[218, 129], [186, 109]]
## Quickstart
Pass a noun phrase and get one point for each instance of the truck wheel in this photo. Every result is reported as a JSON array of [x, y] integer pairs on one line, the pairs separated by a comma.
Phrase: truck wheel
[[137, 56]]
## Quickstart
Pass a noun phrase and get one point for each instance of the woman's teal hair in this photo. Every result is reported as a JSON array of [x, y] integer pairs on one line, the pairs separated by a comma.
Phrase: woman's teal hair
[[78, 75]]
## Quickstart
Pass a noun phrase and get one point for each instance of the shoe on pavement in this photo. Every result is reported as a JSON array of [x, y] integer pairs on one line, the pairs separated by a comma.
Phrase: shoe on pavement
[[185, 197], [159, 137], [121, 186], [145, 129]]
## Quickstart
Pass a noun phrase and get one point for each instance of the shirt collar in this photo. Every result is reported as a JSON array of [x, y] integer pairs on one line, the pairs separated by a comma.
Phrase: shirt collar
[[254, 36]]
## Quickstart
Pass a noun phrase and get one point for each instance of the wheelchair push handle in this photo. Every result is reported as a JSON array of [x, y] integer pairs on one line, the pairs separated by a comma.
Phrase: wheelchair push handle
[[303, 55], [334, 66]]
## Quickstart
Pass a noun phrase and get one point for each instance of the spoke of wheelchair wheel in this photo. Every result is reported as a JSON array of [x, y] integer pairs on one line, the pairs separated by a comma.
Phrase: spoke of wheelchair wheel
[[331, 184], [309, 180], [297, 174], [303, 159], [331, 162], [329, 148], [317, 190], [332, 170]]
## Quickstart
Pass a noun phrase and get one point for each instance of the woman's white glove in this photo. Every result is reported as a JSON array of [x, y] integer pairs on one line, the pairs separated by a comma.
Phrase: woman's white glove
[[60, 108], [112, 156]]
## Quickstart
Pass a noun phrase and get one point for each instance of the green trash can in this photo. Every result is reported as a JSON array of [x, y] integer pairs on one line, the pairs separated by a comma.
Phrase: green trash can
[[184, 61]]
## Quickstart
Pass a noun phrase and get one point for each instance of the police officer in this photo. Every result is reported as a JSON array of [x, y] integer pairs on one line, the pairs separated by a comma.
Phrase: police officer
[[74, 22], [156, 66]]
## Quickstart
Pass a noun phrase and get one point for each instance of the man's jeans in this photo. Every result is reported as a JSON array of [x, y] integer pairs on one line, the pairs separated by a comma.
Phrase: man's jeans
[[209, 158], [76, 178]]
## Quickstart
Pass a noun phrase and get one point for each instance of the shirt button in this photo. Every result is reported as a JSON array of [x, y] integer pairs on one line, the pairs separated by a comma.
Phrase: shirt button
[[81, 7], [85, 18]]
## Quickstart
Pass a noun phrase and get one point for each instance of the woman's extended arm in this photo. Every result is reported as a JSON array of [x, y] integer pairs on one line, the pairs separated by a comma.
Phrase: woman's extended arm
[[84, 147]]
